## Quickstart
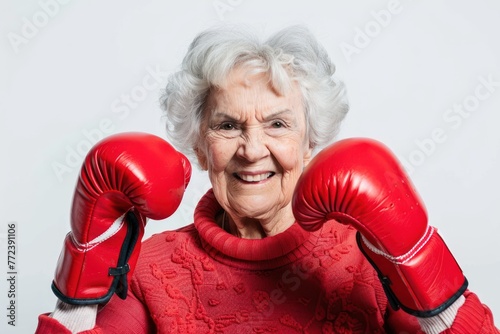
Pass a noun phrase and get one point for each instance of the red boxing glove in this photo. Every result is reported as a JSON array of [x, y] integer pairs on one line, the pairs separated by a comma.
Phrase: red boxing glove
[[124, 179], [359, 182]]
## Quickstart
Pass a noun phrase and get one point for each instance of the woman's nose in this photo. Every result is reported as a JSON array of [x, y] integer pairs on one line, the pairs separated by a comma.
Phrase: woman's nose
[[253, 146]]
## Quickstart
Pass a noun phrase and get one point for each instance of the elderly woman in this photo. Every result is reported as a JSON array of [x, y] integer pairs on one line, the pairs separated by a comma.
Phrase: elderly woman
[[266, 252]]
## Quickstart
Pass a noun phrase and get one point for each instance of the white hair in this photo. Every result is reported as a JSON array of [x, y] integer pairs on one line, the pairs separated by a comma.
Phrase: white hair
[[292, 54]]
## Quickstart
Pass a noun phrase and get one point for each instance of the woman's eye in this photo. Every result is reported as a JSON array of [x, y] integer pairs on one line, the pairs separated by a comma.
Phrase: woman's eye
[[227, 126], [277, 124]]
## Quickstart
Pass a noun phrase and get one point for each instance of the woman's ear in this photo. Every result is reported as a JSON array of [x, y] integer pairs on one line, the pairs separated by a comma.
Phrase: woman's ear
[[202, 158]]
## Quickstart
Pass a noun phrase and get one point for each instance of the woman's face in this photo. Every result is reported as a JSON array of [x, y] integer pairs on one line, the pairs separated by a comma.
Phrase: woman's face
[[254, 146]]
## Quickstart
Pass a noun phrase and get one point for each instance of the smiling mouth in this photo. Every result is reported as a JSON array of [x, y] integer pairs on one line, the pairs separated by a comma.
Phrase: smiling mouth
[[254, 178]]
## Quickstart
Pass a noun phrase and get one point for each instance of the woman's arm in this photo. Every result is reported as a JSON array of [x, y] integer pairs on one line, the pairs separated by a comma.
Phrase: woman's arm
[[118, 316], [472, 317]]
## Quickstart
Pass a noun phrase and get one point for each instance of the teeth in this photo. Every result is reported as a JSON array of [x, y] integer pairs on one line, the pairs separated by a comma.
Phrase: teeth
[[254, 178]]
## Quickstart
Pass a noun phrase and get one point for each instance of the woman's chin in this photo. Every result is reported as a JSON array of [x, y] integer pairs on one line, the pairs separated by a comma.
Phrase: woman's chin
[[253, 207]]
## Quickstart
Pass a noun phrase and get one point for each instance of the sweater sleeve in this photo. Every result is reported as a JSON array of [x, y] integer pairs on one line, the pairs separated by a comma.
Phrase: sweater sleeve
[[47, 325], [125, 316], [473, 317], [118, 316], [401, 322]]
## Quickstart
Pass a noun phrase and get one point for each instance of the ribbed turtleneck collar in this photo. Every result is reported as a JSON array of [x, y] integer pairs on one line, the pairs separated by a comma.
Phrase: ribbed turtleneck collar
[[257, 254]]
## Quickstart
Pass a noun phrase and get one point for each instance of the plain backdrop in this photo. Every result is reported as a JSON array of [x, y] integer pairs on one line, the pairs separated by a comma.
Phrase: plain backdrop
[[422, 76]]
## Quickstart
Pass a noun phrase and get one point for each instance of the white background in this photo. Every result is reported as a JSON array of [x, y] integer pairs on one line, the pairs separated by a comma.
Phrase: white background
[[67, 77]]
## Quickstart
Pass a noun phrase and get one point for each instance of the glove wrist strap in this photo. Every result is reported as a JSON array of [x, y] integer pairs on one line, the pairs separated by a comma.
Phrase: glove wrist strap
[[423, 282]]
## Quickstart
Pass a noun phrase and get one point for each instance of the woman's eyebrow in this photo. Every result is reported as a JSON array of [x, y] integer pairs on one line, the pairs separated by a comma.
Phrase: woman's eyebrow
[[223, 115], [217, 115], [284, 112]]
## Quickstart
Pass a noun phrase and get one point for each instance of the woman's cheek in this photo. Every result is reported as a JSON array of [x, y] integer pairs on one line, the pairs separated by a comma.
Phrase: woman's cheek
[[289, 154], [219, 154]]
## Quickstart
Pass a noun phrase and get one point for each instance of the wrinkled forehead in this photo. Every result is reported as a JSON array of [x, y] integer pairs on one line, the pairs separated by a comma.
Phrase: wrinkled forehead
[[254, 87], [279, 76], [252, 100]]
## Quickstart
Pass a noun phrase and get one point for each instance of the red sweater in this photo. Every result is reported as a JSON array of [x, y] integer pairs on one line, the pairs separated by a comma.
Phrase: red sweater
[[200, 279]]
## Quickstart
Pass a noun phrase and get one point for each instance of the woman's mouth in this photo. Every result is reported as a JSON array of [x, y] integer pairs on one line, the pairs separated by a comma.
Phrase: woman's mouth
[[254, 178]]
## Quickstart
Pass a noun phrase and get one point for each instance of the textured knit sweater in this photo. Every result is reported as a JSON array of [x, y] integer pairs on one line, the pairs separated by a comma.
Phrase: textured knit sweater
[[201, 279]]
